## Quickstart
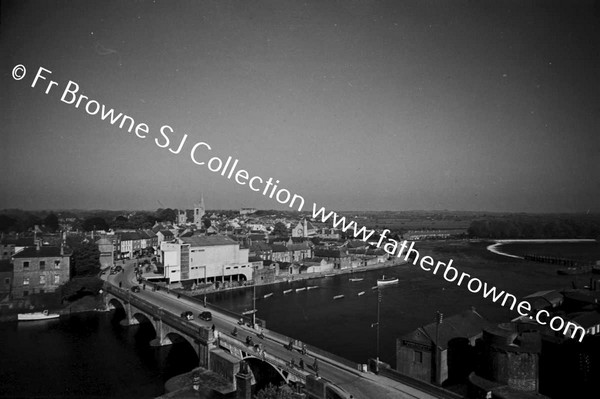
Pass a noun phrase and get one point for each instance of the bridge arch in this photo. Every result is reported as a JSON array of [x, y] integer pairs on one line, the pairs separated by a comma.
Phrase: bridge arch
[[265, 372]]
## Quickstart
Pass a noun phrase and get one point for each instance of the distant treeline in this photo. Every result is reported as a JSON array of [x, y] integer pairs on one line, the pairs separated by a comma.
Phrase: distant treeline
[[537, 226]]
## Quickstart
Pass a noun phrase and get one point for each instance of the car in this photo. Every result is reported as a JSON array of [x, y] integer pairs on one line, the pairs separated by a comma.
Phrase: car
[[135, 288], [187, 315], [206, 316]]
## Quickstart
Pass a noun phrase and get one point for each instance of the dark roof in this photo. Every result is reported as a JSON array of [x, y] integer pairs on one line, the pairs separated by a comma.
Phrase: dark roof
[[43, 252], [298, 247], [467, 324], [130, 236], [279, 248], [19, 242], [166, 233], [585, 319], [206, 241]]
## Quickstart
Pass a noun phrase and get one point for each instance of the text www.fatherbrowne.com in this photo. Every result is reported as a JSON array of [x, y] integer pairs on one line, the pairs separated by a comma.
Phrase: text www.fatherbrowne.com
[[450, 273]]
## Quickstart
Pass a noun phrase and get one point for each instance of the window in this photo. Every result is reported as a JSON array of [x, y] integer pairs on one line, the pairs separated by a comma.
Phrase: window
[[5, 253], [418, 357], [7, 281], [25, 280], [56, 279], [42, 279], [57, 264], [42, 265], [26, 264], [25, 293]]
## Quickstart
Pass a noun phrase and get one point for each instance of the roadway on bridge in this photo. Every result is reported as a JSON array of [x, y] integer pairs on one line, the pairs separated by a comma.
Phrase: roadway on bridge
[[356, 383]]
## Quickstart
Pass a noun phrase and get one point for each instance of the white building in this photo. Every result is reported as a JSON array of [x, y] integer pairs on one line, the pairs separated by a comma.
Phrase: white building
[[206, 258]]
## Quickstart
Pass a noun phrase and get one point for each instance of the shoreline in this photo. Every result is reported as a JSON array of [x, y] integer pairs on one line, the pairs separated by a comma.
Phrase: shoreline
[[494, 248], [301, 277]]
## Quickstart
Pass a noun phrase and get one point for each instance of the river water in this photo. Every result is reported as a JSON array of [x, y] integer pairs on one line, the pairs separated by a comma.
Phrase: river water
[[92, 355]]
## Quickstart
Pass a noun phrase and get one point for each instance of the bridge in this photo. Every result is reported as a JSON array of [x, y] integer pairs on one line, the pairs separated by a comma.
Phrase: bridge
[[324, 375]]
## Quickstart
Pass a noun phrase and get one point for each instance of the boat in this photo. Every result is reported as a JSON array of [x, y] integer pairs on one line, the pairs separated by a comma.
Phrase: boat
[[387, 281], [329, 275], [300, 289], [312, 287], [361, 293], [338, 297], [45, 315], [287, 291], [268, 295], [374, 287], [356, 279], [247, 312]]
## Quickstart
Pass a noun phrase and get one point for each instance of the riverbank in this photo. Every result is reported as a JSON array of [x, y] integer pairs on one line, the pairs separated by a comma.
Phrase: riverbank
[[297, 277], [86, 304], [495, 248], [208, 382]]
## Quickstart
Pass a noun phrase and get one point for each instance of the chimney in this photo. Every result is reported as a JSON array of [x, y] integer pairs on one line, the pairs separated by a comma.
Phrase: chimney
[[37, 245]]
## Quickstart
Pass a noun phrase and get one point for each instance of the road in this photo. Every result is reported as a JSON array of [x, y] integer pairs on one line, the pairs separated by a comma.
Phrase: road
[[354, 383]]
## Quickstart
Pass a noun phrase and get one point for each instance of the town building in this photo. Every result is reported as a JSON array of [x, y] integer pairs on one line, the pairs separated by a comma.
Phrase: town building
[[207, 258], [428, 352], [304, 228], [107, 252], [40, 269]]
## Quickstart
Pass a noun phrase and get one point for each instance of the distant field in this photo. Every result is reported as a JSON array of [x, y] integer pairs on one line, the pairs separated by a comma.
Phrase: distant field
[[414, 220]]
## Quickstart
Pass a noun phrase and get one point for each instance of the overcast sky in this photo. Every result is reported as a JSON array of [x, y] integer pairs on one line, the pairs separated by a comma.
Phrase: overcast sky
[[354, 105]]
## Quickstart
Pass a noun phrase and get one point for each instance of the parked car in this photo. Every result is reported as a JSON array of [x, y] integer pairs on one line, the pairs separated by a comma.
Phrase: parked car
[[207, 316], [135, 288], [187, 315]]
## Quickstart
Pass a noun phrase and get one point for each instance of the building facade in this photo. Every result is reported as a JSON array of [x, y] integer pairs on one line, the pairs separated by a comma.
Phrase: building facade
[[40, 269]]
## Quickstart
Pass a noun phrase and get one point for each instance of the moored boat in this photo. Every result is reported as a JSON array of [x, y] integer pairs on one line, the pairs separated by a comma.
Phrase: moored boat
[[312, 287], [45, 315], [300, 289], [287, 291], [338, 297], [268, 295], [361, 293], [356, 279], [247, 312], [329, 275], [387, 281]]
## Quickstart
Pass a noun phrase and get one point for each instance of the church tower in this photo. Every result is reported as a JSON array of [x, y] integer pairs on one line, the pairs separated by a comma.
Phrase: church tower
[[199, 211]]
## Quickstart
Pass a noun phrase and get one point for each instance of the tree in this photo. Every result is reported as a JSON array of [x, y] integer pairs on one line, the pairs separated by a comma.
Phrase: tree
[[279, 229], [273, 392], [168, 215], [85, 260], [51, 222], [7, 223], [94, 223]]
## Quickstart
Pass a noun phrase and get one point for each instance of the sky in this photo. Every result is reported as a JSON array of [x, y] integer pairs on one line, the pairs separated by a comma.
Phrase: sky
[[353, 105]]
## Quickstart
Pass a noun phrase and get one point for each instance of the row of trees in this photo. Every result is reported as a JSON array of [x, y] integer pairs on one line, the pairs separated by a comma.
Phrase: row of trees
[[544, 226]]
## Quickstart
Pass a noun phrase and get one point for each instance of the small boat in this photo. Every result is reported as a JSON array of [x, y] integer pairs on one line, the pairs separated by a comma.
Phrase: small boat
[[312, 287], [287, 291], [247, 312], [387, 281], [300, 289], [329, 275], [361, 293], [356, 279], [374, 287], [268, 295], [338, 297], [37, 316]]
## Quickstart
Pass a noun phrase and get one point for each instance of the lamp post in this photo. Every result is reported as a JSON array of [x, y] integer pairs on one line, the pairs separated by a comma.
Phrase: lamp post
[[438, 369], [377, 325]]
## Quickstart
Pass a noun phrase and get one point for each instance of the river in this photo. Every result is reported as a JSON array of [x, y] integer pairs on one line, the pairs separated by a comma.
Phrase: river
[[92, 355]]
